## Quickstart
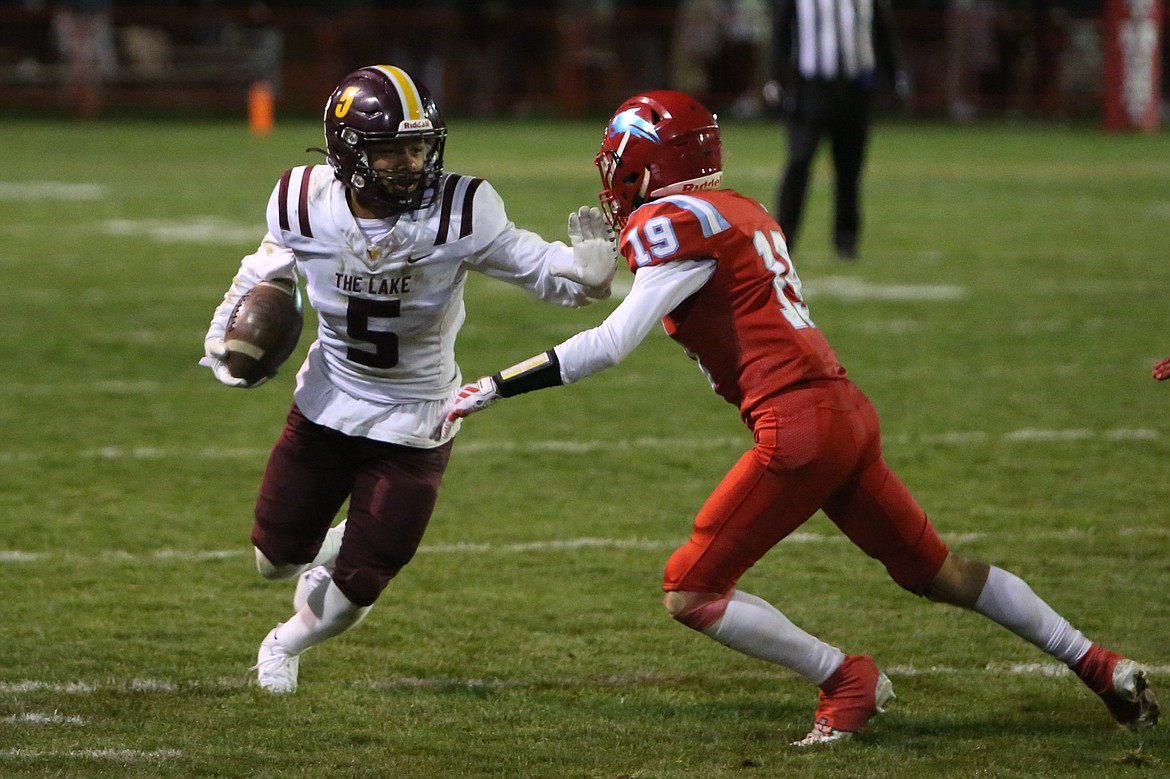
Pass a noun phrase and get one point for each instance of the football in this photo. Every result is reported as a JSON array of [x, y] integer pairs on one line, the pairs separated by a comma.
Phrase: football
[[263, 330]]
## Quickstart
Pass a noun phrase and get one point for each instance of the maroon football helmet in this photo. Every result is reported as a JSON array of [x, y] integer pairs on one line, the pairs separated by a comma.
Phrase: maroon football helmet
[[657, 143], [376, 105]]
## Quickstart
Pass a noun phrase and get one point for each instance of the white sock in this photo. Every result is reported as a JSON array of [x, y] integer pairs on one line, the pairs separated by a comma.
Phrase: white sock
[[305, 629], [1009, 601], [756, 628]]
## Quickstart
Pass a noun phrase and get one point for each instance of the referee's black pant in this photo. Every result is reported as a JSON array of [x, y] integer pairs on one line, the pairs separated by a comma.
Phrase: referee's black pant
[[839, 108]]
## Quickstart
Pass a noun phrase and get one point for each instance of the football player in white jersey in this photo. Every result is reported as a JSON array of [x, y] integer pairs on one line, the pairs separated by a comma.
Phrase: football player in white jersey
[[382, 239]]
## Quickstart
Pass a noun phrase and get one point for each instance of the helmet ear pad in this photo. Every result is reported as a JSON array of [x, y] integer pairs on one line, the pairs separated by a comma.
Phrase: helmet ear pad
[[657, 143], [378, 105]]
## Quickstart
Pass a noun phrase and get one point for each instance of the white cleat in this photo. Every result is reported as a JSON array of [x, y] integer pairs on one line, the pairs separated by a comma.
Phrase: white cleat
[[823, 735], [276, 669], [1132, 702], [307, 582]]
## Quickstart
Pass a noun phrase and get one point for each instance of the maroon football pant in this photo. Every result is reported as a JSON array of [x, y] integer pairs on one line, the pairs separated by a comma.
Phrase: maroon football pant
[[816, 448], [391, 489]]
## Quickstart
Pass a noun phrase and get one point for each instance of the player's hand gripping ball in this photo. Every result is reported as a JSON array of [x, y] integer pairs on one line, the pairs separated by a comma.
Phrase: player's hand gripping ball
[[263, 330]]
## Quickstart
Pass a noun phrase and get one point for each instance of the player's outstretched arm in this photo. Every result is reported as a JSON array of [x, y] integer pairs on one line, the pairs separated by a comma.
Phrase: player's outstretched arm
[[543, 370], [1162, 369], [464, 402], [594, 259], [656, 291]]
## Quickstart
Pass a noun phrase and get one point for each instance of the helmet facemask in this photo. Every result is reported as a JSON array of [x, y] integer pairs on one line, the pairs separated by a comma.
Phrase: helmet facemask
[[609, 163], [402, 190]]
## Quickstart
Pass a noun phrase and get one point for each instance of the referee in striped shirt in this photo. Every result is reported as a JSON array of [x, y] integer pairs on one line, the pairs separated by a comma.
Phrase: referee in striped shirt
[[828, 58]]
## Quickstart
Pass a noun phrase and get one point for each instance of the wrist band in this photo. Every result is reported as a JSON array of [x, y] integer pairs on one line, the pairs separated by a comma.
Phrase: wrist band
[[539, 372]]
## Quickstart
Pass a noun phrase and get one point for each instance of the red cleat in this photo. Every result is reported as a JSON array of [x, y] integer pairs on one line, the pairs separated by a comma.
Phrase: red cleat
[[1122, 684], [851, 697], [1162, 369]]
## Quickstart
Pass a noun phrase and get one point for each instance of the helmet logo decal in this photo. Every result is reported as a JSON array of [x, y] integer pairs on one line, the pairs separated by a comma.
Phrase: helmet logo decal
[[629, 122], [343, 105], [407, 91]]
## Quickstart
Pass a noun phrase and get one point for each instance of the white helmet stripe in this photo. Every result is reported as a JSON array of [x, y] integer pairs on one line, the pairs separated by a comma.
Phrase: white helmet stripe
[[407, 91]]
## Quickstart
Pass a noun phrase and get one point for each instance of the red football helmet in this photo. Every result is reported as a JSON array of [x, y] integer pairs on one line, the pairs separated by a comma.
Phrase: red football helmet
[[382, 104], [657, 143]]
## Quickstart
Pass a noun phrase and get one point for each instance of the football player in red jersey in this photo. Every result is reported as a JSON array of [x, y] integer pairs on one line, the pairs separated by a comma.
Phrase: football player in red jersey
[[713, 266]]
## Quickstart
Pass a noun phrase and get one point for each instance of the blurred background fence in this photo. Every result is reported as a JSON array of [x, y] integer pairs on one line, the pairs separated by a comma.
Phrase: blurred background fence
[[966, 59]]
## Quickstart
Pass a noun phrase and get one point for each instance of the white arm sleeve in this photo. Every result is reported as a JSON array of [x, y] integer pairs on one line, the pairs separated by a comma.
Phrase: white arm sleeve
[[657, 290]]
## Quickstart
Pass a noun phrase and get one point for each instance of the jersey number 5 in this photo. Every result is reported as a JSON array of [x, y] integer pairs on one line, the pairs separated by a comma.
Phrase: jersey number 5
[[774, 252], [358, 314]]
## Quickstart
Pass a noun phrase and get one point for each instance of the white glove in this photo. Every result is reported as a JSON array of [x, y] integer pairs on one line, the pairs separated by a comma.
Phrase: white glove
[[594, 259], [215, 352], [464, 402]]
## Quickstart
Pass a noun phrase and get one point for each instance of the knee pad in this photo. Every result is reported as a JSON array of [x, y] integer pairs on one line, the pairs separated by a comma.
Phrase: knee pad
[[698, 611], [270, 570]]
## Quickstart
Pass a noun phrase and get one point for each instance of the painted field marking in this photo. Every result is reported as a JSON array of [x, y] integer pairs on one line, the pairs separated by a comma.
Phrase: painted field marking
[[994, 669], [51, 190], [43, 718], [854, 288], [953, 438], [18, 556], [194, 229], [116, 755]]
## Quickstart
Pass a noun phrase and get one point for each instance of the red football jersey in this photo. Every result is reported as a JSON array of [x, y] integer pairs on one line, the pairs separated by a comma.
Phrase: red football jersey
[[748, 326]]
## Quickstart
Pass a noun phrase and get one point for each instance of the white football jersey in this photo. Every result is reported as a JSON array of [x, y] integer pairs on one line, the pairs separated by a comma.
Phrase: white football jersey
[[389, 310]]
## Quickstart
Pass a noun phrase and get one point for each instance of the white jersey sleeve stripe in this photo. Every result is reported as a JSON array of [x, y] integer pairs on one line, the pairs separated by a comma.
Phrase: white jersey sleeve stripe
[[711, 221]]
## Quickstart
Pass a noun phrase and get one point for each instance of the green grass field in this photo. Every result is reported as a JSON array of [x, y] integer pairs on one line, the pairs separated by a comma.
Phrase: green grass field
[[1011, 297]]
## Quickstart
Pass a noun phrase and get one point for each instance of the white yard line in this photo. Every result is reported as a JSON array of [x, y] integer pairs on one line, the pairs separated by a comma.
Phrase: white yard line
[[64, 191], [584, 446], [116, 755], [995, 669], [18, 556], [855, 288], [44, 718]]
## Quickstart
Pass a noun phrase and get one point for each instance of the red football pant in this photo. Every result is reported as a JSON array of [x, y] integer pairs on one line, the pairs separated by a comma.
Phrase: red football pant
[[817, 447]]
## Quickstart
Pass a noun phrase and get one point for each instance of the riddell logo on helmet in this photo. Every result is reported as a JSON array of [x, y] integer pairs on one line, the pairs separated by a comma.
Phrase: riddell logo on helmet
[[711, 182], [414, 124]]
